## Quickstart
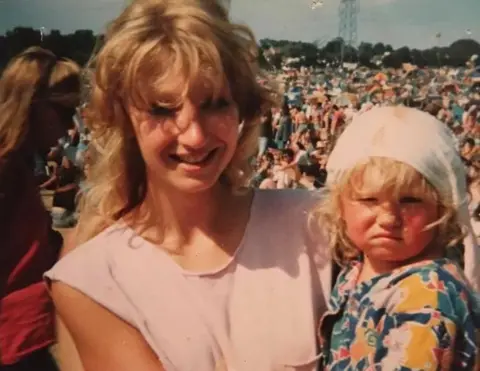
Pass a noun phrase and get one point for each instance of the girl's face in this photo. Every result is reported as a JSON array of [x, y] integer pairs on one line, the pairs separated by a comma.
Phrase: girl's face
[[388, 227]]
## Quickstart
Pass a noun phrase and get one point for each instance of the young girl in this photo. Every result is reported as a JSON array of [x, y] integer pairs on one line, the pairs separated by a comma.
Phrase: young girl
[[396, 207]]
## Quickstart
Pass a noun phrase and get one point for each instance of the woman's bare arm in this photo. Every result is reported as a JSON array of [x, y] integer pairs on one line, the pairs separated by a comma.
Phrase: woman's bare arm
[[104, 342]]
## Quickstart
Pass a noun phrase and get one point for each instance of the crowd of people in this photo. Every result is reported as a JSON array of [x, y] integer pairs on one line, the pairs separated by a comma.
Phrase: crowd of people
[[297, 137], [318, 105], [179, 252], [61, 173]]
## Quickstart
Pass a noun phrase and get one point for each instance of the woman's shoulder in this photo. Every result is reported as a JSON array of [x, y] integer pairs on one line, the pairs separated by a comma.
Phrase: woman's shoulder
[[89, 269], [96, 251]]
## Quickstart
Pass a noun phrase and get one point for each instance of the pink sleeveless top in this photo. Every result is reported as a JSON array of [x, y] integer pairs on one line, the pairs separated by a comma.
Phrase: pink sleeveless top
[[258, 312]]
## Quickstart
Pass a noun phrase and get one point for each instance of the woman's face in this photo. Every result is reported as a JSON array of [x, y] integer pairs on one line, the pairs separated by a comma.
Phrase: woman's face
[[188, 147]]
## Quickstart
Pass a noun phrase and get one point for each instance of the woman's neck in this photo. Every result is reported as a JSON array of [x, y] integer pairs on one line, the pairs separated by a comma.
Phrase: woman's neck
[[182, 215]]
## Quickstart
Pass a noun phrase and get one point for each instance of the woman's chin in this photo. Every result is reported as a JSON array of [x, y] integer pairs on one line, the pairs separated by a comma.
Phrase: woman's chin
[[187, 185]]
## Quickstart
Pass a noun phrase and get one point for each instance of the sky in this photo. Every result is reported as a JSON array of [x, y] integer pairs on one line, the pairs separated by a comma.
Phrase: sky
[[413, 23]]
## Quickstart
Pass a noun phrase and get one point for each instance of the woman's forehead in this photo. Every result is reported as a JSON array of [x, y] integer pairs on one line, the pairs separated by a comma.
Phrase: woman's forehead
[[178, 88], [204, 86]]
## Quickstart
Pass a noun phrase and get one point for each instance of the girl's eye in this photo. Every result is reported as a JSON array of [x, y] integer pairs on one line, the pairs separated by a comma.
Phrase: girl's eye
[[159, 111], [367, 199], [410, 200]]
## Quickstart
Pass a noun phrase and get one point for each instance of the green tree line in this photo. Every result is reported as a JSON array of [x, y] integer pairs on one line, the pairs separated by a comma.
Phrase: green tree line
[[273, 53]]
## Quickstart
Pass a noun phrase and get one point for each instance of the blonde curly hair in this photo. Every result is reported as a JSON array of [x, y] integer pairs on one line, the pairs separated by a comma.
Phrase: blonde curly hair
[[150, 41]]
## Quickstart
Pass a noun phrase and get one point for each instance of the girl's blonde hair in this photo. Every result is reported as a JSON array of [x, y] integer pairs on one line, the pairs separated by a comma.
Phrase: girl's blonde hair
[[35, 76], [390, 177], [151, 41]]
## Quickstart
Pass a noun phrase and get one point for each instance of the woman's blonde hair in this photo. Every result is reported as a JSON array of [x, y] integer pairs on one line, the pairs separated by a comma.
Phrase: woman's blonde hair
[[33, 77], [389, 177], [151, 41]]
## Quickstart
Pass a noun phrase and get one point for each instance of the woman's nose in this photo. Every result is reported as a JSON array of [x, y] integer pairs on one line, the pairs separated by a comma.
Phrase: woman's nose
[[192, 128]]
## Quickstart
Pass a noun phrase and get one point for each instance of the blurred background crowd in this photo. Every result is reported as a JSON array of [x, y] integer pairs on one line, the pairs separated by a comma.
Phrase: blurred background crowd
[[297, 138], [324, 84]]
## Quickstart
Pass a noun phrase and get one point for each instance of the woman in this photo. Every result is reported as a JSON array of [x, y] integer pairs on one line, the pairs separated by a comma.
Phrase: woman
[[38, 95], [177, 266]]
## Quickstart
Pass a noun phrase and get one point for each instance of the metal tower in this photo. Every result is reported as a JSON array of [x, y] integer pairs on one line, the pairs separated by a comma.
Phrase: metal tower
[[348, 11]]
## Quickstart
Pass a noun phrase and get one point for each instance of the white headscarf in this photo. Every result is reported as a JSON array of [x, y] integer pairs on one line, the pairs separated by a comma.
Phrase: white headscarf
[[419, 140]]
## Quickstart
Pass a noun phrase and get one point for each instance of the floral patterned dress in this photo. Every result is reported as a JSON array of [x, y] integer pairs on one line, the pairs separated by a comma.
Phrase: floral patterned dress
[[419, 317]]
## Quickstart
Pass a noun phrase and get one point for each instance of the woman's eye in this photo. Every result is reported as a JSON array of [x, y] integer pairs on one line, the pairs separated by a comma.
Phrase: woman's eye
[[159, 111], [217, 104]]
